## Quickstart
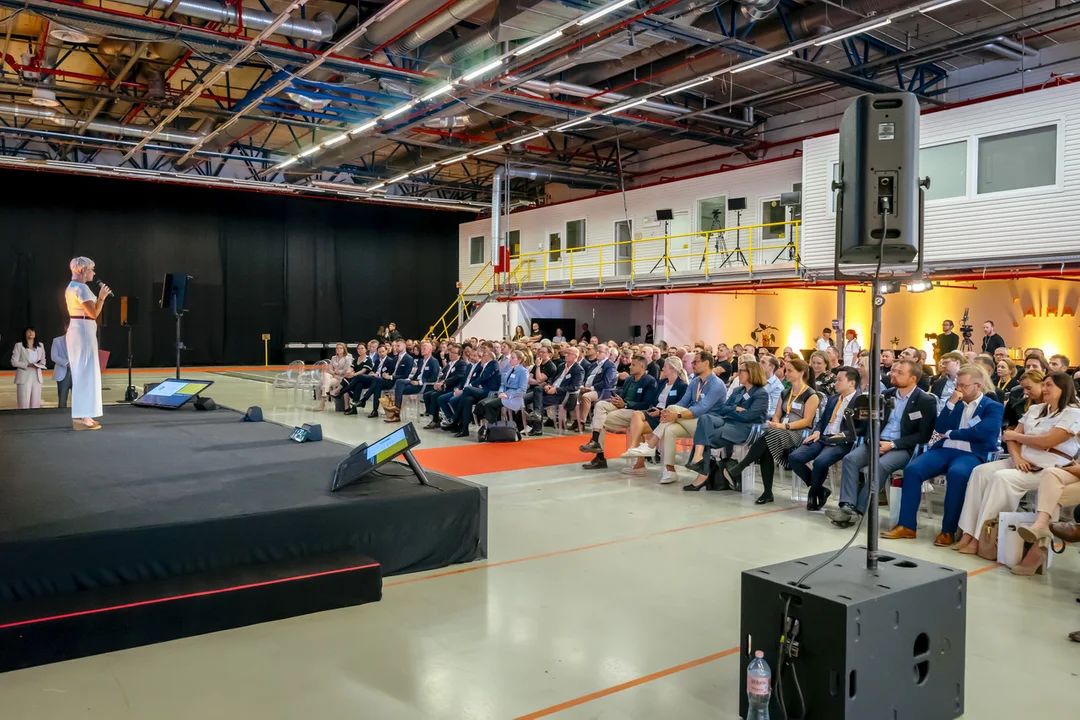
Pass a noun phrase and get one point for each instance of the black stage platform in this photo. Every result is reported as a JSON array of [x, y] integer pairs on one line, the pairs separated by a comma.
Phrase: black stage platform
[[171, 523]]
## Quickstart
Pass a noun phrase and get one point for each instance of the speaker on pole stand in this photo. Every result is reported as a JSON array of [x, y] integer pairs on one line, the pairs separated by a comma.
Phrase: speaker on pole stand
[[129, 314], [856, 634]]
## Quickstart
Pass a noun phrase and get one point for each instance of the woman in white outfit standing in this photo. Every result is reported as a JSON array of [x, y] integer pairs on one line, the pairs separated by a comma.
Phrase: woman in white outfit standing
[[28, 359], [84, 308]]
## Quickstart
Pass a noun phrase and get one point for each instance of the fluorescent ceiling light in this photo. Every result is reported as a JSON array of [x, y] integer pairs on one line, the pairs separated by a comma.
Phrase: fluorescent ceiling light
[[687, 86], [573, 123], [286, 163], [764, 61], [375, 187], [399, 110], [539, 43], [441, 90], [486, 150], [620, 108], [432, 166], [399, 178], [482, 70], [527, 137], [361, 128], [310, 151], [336, 139], [856, 31], [453, 160], [939, 5], [603, 11]]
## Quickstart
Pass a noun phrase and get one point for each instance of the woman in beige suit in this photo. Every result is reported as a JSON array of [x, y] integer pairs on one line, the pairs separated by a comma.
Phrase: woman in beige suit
[[28, 359]]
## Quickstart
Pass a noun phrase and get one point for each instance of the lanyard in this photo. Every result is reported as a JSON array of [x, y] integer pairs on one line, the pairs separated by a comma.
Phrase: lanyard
[[791, 399]]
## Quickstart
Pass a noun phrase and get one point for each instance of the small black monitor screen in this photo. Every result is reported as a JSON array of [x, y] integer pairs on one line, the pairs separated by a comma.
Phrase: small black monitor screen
[[366, 458], [173, 393]]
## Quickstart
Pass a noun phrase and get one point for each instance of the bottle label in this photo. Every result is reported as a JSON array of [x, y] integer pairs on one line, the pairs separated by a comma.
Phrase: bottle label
[[757, 685]]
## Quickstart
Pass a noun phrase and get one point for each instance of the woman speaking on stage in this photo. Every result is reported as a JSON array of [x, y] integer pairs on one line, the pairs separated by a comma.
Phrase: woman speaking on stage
[[84, 308]]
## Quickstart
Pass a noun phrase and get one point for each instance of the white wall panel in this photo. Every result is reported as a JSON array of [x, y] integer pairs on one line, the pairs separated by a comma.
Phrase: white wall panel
[[1022, 224]]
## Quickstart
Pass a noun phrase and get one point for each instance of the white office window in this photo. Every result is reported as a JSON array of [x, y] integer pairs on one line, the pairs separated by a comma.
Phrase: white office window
[[513, 241], [773, 212], [946, 166], [1018, 160], [575, 235], [476, 250]]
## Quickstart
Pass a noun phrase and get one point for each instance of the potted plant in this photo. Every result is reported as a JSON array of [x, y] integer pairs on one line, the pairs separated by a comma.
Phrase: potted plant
[[763, 338]]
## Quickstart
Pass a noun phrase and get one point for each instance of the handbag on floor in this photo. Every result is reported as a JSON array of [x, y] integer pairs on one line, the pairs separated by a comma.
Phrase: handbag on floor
[[988, 540], [736, 477], [502, 431]]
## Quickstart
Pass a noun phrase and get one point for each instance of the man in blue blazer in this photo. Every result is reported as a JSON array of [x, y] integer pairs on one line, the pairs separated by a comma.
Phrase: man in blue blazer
[[470, 358], [829, 442], [425, 372], [600, 384], [485, 381], [401, 366], [450, 378], [971, 424], [567, 382]]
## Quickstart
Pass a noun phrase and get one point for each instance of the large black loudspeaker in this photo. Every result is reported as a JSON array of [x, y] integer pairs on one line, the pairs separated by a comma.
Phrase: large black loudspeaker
[[635, 331], [886, 645], [174, 284], [879, 171]]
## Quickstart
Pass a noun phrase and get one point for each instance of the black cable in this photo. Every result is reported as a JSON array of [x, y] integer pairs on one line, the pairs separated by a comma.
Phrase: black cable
[[784, 654]]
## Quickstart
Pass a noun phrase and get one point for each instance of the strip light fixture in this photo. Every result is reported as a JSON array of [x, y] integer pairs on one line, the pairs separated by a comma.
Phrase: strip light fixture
[[373, 188], [687, 86], [441, 90], [763, 61], [425, 169], [482, 70], [336, 139], [603, 11], [621, 108], [287, 163], [939, 5], [310, 151], [398, 110], [574, 123], [858, 30], [361, 128], [539, 42], [486, 150], [398, 179], [526, 138], [455, 159]]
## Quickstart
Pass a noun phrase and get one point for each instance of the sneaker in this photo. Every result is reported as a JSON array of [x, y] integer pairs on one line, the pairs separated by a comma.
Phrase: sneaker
[[634, 471], [592, 447], [642, 450], [668, 476]]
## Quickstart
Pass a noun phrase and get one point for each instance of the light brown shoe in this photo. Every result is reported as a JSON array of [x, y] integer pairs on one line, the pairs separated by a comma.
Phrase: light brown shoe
[[943, 540], [1034, 562], [899, 533], [1067, 531]]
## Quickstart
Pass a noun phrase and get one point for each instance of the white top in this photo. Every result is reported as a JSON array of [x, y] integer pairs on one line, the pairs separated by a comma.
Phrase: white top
[[58, 351], [851, 352], [75, 295], [1068, 420], [965, 422], [661, 402], [823, 344]]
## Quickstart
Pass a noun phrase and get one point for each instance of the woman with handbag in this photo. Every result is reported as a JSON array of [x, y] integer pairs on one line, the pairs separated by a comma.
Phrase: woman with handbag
[[732, 425], [1045, 438], [1058, 487], [794, 413]]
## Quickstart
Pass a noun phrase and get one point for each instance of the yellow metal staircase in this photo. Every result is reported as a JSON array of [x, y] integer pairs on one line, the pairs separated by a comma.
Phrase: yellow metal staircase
[[465, 305]]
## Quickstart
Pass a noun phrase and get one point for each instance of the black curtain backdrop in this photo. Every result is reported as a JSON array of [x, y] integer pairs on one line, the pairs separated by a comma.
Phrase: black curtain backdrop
[[301, 270]]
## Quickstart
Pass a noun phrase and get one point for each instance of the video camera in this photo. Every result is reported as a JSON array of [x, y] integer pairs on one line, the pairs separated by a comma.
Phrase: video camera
[[965, 328]]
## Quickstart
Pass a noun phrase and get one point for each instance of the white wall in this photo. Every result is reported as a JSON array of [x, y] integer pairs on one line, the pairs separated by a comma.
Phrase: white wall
[[1022, 224], [756, 183]]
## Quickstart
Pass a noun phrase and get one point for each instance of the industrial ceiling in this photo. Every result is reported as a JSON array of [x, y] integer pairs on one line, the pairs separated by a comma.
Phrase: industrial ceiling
[[420, 101]]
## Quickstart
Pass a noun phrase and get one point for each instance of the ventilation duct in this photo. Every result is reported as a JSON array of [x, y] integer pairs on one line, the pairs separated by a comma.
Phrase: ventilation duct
[[321, 29], [1010, 48], [505, 24], [104, 127], [756, 10]]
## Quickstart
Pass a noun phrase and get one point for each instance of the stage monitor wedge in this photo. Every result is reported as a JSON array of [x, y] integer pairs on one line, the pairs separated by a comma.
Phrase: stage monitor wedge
[[172, 394], [365, 459]]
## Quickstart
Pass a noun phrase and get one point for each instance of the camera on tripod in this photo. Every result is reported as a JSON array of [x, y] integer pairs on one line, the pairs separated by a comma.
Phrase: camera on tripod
[[965, 328]]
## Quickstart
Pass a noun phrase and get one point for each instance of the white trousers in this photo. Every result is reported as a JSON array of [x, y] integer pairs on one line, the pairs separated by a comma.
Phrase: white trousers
[[994, 488], [607, 416], [28, 395], [85, 371], [668, 433]]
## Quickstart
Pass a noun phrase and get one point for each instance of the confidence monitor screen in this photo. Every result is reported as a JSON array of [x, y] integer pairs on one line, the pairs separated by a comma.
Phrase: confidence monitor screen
[[171, 394], [366, 458]]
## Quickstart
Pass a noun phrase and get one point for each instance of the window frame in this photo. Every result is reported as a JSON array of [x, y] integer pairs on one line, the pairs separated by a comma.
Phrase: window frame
[[1059, 164], [483, 246], [969, 168], [565, 237]]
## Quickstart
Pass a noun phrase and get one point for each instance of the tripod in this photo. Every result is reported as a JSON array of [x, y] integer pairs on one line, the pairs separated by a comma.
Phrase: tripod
[[737, 253], [793, 253], [667, 255], [720, 242], [966, 345]]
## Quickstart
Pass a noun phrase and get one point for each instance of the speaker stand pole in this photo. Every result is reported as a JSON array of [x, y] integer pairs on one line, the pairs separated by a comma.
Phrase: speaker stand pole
[[130, 395], [873, 480], [179, 345]]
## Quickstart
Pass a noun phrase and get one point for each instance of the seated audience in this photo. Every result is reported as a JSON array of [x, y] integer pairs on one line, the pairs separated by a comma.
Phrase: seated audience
[[471, 369], [485, 380], [511, 392], [566, 384], [703, 393], [1058, 487], [908, 421], [1006, 378], [400, 367], [424, 373], [795, 412], [773, 384], [543, 372], [1059, 363], [1045, 438], [731, 425], [558, 337], [637, 394], [450, 378], [653, 361], [340, 367], [831, 440], [834, 357], [824, 377], [519, 334], [600, 384], [971, 426], [673, 382], [357, 384], [1022, 397], [944, 385]]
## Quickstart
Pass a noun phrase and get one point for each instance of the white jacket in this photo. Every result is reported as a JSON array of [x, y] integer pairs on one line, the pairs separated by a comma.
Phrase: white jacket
[[27, 363]]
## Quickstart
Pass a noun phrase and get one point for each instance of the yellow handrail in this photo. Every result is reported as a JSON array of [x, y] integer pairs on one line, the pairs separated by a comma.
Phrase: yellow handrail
[[460, 308], [742, 254]]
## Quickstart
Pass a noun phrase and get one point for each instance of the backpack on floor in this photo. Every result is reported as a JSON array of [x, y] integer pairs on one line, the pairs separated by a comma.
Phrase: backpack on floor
[[502, 431]]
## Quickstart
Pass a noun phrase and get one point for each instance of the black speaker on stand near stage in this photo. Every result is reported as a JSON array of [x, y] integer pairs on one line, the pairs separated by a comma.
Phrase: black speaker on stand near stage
[[858, 635], [173, 294], [129, 317]]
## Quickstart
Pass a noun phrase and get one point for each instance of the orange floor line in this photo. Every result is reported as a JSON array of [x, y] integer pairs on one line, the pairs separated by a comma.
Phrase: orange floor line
[[477, 459], [664, 673]]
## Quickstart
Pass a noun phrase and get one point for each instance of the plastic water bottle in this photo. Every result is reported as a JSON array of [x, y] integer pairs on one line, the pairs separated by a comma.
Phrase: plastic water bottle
[[758, 687]]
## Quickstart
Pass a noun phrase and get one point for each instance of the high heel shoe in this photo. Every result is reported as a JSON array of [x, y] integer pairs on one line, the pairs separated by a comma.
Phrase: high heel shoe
[[1034, 562], [1032, 533], [765, 498], [692, 487]]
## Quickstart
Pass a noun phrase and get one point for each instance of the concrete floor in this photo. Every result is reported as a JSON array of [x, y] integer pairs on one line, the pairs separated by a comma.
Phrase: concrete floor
[[604, 597]]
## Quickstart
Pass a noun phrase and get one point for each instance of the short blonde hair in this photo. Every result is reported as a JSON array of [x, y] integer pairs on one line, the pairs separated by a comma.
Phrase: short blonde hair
[[80, 266], [980, 376]]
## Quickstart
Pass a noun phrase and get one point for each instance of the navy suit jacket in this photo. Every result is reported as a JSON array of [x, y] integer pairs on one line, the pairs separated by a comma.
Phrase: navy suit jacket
[[826, 414], [678, 389], [983, 436], [452, 379], [428, 371], [404, 368], [572, 382], [645, 391], [605, 381], [488, 378]]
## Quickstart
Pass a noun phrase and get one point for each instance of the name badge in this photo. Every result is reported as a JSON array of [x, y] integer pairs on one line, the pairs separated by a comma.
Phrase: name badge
[[639, 390], [796, 406], [916, 415], [974, 421], [746, 396]]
